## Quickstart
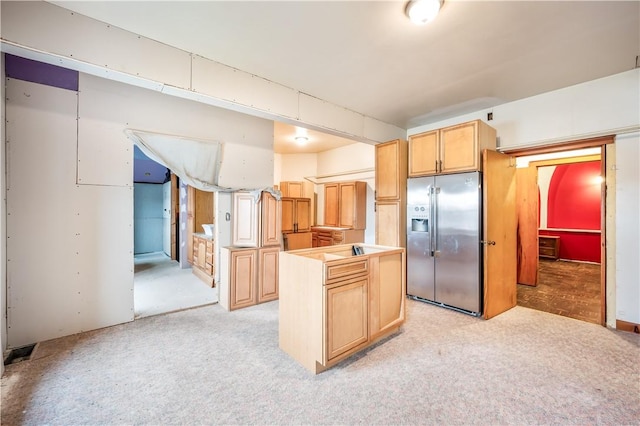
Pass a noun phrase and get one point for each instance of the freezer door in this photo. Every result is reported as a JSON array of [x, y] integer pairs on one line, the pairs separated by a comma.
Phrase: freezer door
[[420, 262], [458, 234]]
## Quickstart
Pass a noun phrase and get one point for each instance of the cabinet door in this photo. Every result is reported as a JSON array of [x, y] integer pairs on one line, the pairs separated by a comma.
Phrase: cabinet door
[[391, 170], [243, 279], [331, 206], [288, 219], [292, 189], [390, 224], [346, 316], [423, 154], [271, 222], [352, 203], [268, 274], [245, 227], [459, 147], [303, 214], [386, 293]]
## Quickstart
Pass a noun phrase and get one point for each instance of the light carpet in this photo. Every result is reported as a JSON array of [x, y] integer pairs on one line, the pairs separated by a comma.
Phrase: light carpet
[[209, 366]]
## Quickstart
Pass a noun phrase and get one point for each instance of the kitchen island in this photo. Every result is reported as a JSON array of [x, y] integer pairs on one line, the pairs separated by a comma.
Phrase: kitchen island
[[334, 303]]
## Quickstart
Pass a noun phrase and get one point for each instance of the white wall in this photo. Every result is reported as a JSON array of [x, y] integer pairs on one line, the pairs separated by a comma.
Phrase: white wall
[[148, 218], [607, 106], [349, 163], [627, 246]]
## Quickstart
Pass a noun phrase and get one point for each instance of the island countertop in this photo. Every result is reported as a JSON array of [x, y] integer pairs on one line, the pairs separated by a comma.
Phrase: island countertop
[[334, 303]]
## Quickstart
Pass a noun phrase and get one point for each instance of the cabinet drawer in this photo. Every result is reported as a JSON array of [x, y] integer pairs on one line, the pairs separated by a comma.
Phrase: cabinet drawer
[[350, 267], [546, 242]]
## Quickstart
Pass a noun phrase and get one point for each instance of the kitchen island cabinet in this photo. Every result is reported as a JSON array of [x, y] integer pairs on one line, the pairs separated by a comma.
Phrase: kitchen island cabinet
[[334, 304]]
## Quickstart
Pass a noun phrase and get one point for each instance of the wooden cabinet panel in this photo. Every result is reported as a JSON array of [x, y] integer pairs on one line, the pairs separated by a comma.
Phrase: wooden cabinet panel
[[203, 259], [549, 246], [331, 204], [391, 193], [451, 149], [391, 223], [423, 153], [327, 236], [292, 189], [345, 204], [268, 274], [271, 221], [386, 293], [391, 170], [295, 214], [245, 225], [199, 211], [459, 148], [347, 316], [242, 278]]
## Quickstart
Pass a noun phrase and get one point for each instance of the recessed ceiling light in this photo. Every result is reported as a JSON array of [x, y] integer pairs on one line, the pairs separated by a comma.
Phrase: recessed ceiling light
[[422, 11]]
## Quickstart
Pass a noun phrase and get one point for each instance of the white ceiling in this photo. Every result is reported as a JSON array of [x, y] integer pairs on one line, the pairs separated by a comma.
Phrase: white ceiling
[[368, 57]]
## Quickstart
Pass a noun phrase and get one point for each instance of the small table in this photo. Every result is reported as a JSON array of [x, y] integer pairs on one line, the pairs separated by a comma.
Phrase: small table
[[549, 246]]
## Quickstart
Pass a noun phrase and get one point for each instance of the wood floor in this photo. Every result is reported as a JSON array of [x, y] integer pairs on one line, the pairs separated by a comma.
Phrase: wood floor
[[570, 289]]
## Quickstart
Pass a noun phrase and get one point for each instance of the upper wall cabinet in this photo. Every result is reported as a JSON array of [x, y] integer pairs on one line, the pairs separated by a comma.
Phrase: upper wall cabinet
[[391, 170], [255, 224], [451, 149], [345, 204]]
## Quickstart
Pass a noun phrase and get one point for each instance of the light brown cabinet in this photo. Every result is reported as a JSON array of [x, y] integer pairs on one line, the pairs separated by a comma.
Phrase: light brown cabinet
[[292, 189], [295, 214], [199, 211], [203, 258], [345, 204], [323, 236], [451, 149], [256, 222], [334, 304], [347, 315], [248, 276], [391, 193]]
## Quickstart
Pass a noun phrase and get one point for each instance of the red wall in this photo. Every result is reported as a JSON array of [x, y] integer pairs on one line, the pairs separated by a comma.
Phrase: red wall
[[574, 203]]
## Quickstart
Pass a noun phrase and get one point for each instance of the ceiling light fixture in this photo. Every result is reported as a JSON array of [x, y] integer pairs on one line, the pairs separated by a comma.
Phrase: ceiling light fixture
[[422, 11], [301, 140]]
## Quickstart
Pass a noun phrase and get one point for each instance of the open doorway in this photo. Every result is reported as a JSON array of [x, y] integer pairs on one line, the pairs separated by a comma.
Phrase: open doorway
[[561, 228], [161, 285]]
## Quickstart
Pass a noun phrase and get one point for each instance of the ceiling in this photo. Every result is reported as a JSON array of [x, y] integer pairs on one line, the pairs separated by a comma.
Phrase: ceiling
[[368, 57]]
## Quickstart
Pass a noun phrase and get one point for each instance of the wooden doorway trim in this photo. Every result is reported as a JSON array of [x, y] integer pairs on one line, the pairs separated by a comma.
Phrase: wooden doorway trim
[[600, 142]]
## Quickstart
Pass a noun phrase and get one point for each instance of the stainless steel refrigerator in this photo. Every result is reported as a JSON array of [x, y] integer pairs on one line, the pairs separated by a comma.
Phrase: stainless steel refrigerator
[[444, 233]]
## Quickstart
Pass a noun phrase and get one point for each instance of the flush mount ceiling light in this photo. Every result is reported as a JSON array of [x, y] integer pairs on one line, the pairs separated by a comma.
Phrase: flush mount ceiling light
[[422, 11], [301, 140]]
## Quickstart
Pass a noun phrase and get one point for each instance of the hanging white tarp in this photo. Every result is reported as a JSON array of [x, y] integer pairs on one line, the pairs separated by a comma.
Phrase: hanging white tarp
[[196, 162]]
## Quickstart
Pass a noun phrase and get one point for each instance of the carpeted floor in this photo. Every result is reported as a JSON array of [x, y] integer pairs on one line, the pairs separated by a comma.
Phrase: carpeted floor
[[209, 366], [161, 286]]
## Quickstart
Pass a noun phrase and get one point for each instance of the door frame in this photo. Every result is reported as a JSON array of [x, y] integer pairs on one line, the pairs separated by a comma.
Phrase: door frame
[[600, 142]]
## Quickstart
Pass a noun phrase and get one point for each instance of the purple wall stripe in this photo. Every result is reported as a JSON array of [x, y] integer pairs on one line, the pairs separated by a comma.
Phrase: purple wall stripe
[[39, 72]]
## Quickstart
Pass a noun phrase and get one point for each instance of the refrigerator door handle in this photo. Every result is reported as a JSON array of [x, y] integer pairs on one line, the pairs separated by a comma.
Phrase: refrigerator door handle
[[431, 220], [434, 220]]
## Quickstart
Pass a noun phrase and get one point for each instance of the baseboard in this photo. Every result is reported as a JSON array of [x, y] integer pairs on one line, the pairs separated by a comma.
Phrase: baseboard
[[627, 326]]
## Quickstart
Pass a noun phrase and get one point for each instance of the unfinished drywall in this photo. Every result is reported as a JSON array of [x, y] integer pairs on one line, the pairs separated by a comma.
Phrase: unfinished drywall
[[48, 33], [67, 270], [3, 220]]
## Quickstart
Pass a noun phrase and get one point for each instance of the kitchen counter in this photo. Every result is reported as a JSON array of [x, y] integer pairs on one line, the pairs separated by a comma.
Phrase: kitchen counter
[[334, 304]]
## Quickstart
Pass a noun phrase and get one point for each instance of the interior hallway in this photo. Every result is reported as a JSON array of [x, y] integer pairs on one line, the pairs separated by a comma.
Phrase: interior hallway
[[570, 289], [161, 286]]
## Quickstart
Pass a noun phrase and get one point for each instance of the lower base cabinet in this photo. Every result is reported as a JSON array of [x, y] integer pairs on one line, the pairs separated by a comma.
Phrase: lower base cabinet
[[248, 276], [203, 264], [334, 304]]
